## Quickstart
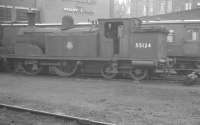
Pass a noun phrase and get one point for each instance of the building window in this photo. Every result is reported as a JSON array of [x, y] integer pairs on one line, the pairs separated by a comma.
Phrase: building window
[[198, 4], [171, 36], [5, 14], [169, 6], [188, 6], [150, 7], [162, 7], [144, 10]]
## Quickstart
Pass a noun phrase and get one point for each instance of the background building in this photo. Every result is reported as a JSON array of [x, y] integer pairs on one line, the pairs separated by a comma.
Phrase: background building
[[80, 10], [52, 11], [193, 14], [16, 10], [121, 8], [155, 7]]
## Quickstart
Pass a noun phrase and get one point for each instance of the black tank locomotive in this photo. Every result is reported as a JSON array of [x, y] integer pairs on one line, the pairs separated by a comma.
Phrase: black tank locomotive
[[110, 47]]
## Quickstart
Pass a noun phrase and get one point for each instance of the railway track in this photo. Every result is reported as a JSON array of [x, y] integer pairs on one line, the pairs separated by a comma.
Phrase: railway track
[[16, 115], [166, 78]]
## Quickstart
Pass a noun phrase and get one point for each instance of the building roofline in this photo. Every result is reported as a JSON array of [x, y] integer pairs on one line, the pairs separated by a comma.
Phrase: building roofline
[[163, 16]]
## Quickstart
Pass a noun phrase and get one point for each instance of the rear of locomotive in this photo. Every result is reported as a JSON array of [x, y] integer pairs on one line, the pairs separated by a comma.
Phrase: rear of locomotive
[[148, 51], [142, 50]]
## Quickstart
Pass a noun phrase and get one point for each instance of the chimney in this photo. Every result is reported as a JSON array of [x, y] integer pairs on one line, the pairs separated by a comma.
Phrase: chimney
[[31, 18], [67, 22]]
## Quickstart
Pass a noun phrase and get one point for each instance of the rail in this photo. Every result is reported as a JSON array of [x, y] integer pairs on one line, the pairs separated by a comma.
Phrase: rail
[[68, 119]]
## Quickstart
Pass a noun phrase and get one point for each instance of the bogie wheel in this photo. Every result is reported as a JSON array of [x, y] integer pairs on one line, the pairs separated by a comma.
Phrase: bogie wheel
[[109, 71], [139, 73], [66, 68], [191, 79], [31, 68]]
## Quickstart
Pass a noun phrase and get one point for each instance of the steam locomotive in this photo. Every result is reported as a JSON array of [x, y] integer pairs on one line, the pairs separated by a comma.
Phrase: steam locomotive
[[109, 47]]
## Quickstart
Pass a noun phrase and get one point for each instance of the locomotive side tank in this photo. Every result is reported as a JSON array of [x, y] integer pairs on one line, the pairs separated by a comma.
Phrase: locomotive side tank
[[31, 41], [111, 47], [75, 42]]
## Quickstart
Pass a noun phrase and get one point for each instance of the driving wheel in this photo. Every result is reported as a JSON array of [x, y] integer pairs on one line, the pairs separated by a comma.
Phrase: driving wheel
[[66, 68]]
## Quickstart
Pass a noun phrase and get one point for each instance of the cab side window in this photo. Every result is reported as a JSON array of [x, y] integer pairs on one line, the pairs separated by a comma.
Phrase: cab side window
[[108, 30], [193, 34]]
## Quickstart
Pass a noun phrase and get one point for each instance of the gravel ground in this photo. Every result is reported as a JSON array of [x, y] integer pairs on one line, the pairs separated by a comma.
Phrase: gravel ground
[[8, 117], [120, 102]]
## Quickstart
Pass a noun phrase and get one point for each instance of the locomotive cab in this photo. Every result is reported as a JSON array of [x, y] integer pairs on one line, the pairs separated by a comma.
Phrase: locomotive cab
[[117, 30], [112, 31], [138, 49]]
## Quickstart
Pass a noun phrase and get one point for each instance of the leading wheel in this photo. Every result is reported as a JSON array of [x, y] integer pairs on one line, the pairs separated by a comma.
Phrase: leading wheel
[[109, 71], [138, 73], [66, 68]]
